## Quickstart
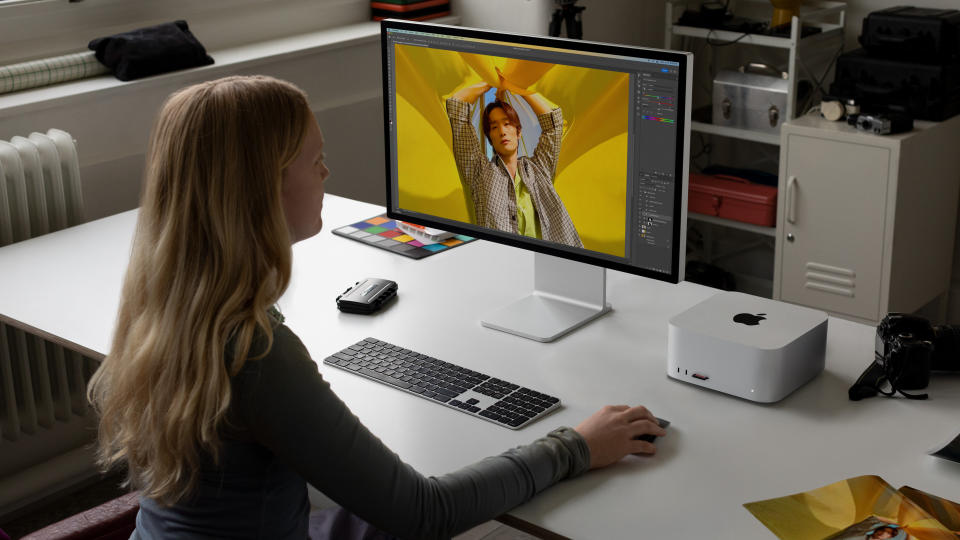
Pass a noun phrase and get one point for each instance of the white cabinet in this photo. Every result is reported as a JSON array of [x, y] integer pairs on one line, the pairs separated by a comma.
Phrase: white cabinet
[[866, 223]]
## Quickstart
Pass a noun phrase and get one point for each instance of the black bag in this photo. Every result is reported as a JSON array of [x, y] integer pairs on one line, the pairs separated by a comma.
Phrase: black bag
[[150, 51], [922, 34], [926, 92]]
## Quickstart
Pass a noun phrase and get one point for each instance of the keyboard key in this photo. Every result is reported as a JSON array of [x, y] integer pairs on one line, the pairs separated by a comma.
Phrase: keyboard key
[[385, 378]]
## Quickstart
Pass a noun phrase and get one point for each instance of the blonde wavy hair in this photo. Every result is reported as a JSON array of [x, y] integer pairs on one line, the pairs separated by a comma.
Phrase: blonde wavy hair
[[210, 256]]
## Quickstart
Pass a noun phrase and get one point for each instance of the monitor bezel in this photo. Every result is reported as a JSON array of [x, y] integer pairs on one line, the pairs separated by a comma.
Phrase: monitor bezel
[[677, 256]]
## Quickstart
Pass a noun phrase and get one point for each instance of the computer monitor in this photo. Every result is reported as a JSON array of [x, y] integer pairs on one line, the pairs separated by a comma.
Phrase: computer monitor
[[585, 164]]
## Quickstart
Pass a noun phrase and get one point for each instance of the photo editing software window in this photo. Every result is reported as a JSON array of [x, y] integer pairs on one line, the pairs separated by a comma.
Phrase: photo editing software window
[[589, 165]]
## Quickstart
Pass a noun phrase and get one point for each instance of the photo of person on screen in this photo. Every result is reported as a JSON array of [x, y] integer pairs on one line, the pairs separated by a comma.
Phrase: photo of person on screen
[[510, 192]]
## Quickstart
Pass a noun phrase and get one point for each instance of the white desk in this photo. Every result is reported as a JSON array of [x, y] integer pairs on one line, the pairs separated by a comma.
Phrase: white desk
[[720, 451]]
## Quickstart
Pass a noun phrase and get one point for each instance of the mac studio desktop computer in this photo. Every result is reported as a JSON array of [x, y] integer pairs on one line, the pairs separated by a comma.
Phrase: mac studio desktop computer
[[572, 149]]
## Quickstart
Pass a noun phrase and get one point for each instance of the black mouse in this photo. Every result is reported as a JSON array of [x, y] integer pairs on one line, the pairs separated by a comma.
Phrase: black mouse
[[650, 438]]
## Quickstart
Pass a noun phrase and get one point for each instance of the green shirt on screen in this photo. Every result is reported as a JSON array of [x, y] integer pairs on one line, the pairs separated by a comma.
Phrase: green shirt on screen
[[527, 223]]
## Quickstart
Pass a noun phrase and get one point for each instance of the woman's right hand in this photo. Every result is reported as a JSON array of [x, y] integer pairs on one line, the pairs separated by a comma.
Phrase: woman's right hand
[[469, 94], [610, 433]]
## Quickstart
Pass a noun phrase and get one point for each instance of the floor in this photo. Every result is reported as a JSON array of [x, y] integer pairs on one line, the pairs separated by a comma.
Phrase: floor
[[64, 505], [108, 488], [492, 530]]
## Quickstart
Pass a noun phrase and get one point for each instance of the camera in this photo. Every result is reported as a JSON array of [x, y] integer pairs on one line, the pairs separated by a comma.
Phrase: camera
[[907, 350], [889, 123]]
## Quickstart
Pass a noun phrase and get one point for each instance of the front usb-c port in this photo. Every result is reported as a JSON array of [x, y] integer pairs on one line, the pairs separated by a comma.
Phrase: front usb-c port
[[699, 376]]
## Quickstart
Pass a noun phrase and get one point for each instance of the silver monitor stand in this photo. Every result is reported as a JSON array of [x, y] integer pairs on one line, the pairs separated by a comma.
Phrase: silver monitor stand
[[566, 295]]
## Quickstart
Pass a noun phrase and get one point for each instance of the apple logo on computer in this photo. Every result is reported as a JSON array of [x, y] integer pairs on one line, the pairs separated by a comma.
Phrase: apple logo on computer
[[749, 319]]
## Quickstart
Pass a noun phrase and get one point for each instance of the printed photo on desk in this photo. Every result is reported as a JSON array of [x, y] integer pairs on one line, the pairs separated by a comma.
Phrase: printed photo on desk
[[385, 233], [862, 508], [531, 148]]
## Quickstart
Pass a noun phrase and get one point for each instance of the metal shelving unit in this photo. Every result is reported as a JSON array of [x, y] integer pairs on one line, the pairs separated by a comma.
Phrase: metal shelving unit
[[736, 133], [808, 53], [758, 229], [807, 58]]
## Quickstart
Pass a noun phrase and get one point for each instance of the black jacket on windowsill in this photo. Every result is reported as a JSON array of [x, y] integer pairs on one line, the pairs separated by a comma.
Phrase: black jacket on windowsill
[[150, 51]]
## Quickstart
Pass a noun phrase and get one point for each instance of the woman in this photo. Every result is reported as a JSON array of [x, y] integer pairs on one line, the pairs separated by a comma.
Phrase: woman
[[215, 407], [511, 193]]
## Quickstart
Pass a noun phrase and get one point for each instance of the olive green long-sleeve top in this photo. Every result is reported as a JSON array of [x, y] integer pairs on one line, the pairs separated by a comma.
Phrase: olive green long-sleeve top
[[286, 427]]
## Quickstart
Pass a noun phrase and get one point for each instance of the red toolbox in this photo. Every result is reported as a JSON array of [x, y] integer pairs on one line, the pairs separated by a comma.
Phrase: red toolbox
[[733, 198]]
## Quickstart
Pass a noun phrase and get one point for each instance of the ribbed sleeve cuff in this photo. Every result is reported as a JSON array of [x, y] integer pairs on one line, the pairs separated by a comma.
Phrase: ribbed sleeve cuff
[[577, 446], [458, 110]]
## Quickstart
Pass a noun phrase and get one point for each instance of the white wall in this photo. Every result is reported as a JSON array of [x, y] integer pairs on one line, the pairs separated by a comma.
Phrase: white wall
[[42, 29], [112, 126], [631, 22]]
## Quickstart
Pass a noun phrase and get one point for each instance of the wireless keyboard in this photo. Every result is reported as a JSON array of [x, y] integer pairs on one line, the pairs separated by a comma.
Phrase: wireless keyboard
[[471, 392]]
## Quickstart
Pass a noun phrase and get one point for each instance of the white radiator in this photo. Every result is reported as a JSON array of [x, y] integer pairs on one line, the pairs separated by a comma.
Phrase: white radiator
[[45, 423]]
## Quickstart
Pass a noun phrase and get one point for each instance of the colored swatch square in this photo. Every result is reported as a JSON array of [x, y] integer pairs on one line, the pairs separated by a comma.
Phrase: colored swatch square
[[382, 232]]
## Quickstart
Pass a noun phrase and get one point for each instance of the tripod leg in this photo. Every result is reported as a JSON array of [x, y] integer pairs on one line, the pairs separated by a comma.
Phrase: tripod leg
[[574, 27], [577, 32], [555, 21]]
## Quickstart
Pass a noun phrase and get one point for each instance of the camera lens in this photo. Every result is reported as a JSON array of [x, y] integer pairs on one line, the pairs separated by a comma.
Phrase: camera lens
[[946, 355]]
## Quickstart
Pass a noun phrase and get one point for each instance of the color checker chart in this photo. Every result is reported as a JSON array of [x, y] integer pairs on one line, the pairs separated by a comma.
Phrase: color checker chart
[[382, 232]]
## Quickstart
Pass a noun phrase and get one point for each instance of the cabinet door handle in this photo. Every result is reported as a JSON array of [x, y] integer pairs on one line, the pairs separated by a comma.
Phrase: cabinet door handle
[[792, 199]]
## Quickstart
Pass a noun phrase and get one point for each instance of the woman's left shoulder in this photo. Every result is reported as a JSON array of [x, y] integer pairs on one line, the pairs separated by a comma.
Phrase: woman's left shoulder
[[286, 344]]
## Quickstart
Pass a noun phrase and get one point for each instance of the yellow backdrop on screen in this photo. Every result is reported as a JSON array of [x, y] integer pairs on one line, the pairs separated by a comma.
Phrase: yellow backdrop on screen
[[591, 176]]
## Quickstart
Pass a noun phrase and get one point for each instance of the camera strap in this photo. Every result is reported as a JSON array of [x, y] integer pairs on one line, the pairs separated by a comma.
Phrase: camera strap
[[888, 378]]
